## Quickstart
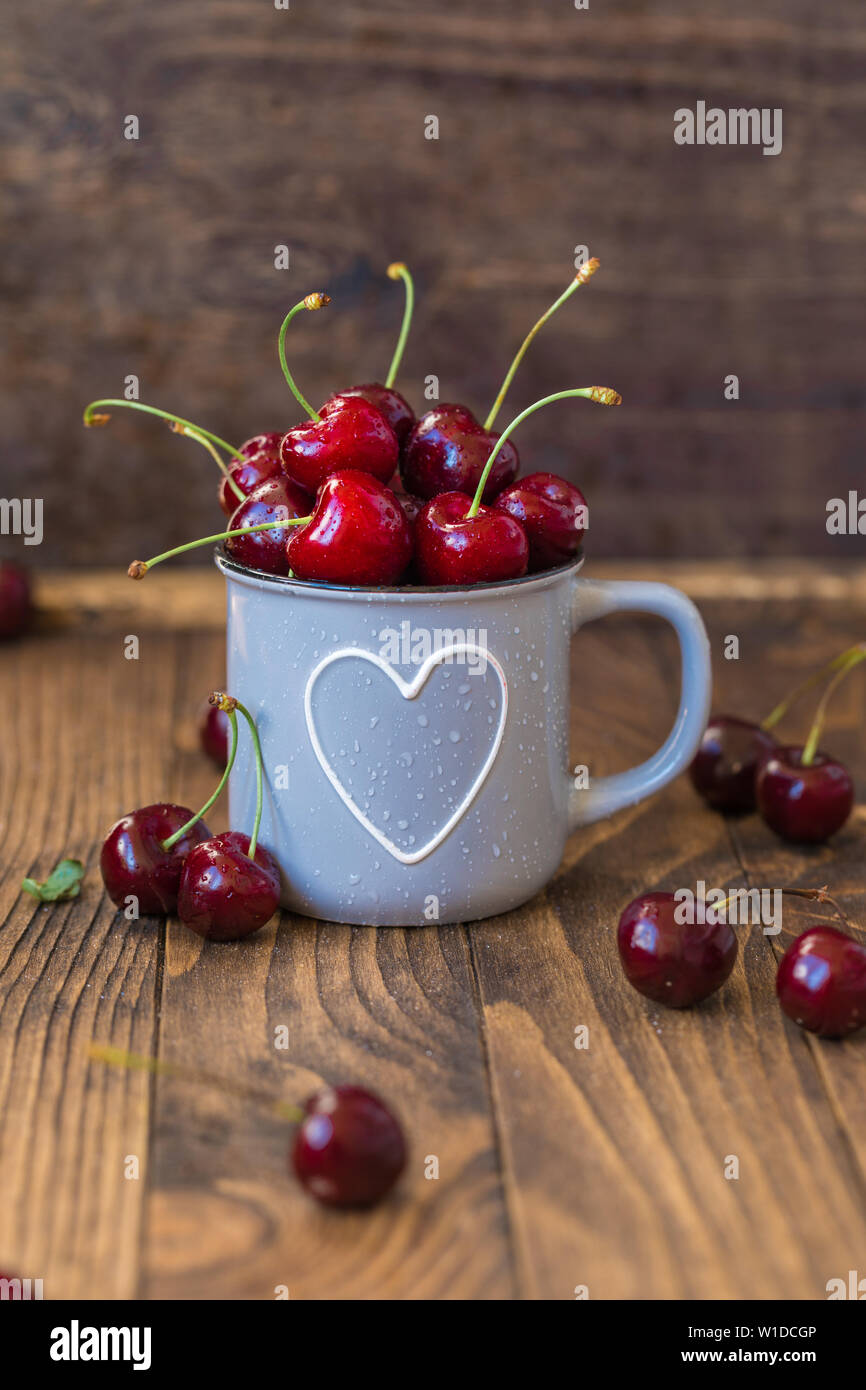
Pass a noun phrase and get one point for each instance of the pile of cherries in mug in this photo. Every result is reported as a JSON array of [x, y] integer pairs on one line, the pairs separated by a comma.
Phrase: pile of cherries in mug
[[365, 494], [315, 503], [361, 494]]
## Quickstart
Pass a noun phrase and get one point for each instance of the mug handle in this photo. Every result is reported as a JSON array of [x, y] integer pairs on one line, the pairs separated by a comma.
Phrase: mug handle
[[595, 598]]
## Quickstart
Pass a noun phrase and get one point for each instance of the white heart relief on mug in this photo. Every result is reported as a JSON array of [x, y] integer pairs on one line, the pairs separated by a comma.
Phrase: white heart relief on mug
[[407, 757]]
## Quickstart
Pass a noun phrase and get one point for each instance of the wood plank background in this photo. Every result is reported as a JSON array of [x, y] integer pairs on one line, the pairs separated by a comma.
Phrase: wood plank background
[[305, 127], [558, 1167]]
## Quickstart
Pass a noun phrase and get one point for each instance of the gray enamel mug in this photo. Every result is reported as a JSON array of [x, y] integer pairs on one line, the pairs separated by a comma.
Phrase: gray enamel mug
[[415, 741]]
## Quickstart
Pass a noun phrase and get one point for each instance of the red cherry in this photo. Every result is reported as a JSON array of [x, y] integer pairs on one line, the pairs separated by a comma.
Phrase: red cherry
[[674, 963], [447, 451], [268, 443], [448, 448], [396, 409], [247, 475], [352, 433], [358, 534], [800, 803], [454, 548], [16, 607], [134, 863], [349, 1150], [552, 512], [275, 500], [411, 505], [213, 733], [725, 765], [821, 982], [223, 894]]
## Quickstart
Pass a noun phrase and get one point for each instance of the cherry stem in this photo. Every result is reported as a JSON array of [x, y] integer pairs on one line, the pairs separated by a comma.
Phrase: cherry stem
[[92, 417], [398, 271], [819, 895], [816, 895], [777, 715], [311, 301], [194, 820], [134, 1061], [230, 704], [857, 655], [220, 462], [602, 395], [138, 569], [585, 273]]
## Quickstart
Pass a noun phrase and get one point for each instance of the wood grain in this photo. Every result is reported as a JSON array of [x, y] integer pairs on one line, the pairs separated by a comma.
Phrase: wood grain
[[306, 128], [392, 1010], [615, 1155], [84, 738], [559, 1167]]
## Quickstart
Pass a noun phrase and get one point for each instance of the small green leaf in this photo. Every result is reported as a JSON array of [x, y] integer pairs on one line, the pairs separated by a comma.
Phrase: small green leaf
[[63, 882]]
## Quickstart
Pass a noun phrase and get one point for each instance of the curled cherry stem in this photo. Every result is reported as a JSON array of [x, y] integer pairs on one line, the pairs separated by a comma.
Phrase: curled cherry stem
[[194, 820], [398, 271], [821, 895], [602, 395], [134, 1061], [585, 273], [777, 714], [93, 417], [815, 895], [138, 569], [317, 300]]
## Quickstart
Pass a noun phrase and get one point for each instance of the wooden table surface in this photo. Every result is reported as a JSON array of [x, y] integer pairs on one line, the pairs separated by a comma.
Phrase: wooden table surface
[[558, 1167]]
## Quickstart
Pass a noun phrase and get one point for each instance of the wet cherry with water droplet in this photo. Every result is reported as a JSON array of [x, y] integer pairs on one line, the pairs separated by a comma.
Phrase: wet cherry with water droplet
[[674, 963], [135, 864]]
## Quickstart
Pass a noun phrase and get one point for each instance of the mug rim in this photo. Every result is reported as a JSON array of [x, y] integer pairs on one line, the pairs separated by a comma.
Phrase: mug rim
[[257, 579]]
